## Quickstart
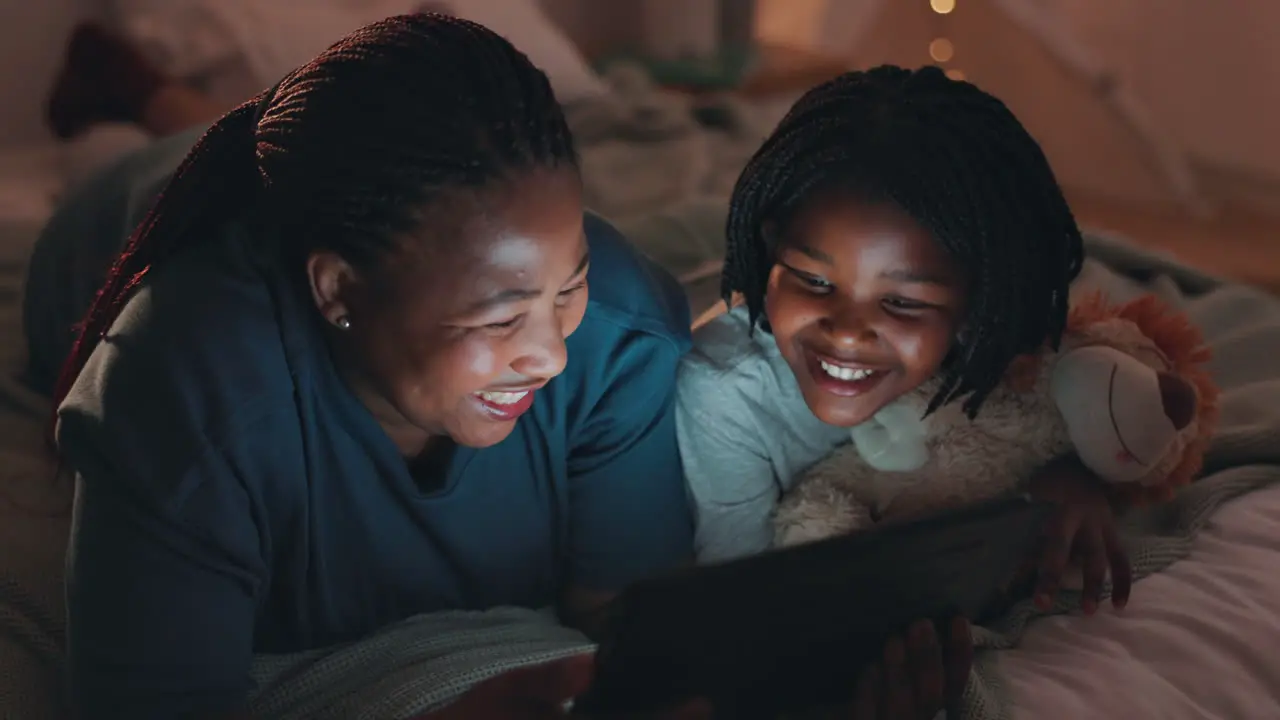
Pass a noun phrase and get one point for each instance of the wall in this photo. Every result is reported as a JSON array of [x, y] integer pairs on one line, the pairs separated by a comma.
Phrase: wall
[[597, 25], [1210, 69]]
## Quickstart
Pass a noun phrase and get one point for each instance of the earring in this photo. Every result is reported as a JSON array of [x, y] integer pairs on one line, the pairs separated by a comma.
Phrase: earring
[[343, 322]]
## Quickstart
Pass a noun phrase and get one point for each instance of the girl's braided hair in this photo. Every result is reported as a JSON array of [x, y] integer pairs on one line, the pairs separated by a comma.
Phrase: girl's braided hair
[[958, 162]]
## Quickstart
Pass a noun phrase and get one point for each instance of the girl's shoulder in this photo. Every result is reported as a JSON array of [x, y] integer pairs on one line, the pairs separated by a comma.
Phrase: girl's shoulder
[[735, 370], [728, 348]]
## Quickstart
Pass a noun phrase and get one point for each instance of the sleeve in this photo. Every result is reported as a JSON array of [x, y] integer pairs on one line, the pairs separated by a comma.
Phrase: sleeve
[[160, 602], [731, 481], [629, 515]]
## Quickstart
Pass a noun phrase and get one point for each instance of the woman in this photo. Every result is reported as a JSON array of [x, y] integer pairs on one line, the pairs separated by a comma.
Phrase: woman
[[347, 371]]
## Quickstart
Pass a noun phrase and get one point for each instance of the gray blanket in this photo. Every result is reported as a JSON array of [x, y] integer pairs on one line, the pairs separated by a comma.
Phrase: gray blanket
[[424, 662]]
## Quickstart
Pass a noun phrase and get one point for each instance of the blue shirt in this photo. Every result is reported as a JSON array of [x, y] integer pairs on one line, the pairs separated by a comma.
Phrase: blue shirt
[[236, 497]]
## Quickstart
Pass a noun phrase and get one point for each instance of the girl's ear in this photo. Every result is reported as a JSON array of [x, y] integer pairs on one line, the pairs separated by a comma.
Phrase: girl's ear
[[771, 232]]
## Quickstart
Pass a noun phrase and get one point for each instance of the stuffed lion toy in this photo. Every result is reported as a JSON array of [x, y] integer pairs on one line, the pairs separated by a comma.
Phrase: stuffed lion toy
[[1127, 391]]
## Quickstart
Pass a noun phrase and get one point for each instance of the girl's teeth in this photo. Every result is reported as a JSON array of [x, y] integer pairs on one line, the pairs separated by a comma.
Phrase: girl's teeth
[[502, 398], [844, 373]]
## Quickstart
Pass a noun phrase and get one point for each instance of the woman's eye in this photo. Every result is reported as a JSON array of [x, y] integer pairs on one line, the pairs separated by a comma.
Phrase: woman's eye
[[568, 293], [505, 324]]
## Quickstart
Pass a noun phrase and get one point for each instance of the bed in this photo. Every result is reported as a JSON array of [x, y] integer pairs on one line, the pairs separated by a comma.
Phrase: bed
[[1198, 640]]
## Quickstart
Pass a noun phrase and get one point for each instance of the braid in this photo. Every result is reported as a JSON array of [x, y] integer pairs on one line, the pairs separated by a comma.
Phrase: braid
[[346, 152], [960, 164]]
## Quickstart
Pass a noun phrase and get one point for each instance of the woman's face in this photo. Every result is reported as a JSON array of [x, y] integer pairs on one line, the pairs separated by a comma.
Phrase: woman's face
[[455, 331], [864, 305]]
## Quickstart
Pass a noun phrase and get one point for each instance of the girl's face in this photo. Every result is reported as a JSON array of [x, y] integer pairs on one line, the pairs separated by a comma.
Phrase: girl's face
[[864, 305], [455, 331]]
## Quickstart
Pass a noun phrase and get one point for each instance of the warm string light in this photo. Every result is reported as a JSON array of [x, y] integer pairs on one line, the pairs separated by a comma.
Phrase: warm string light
[[940, 48]]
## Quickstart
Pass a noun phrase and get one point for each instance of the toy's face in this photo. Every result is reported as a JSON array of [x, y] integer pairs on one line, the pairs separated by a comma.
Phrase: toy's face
[[1129, 417]]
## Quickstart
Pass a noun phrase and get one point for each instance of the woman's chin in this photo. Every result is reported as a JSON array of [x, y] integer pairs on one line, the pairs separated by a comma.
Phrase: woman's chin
[[480, 436]]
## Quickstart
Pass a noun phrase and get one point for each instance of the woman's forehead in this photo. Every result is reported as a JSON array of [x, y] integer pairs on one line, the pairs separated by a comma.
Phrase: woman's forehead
[[499, 253]]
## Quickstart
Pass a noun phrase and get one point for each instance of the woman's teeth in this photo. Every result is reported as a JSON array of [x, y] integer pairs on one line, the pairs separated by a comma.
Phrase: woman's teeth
[[502, 398], [844, 373]]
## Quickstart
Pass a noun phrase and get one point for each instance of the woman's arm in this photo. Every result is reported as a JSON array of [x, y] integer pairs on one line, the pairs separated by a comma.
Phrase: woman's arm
[[160, 601], [629, 515]]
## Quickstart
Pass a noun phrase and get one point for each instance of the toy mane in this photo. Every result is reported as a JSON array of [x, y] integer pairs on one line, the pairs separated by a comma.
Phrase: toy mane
[[1183, 346]]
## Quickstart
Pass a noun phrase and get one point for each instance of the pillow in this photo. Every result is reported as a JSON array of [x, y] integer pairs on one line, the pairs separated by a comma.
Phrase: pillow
[[524, 23], [198, 39]]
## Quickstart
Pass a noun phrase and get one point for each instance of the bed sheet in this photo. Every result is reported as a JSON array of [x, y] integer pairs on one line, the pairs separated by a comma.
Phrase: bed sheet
[[1200, 641], [34, 511]]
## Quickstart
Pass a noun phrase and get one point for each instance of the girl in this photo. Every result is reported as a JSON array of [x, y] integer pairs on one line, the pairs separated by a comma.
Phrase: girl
[[896, 225], [347, 371]]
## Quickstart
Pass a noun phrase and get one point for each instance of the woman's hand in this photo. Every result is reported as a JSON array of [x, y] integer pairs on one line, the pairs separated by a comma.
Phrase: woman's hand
[[539, 692], [1082, 531], [919, 675]]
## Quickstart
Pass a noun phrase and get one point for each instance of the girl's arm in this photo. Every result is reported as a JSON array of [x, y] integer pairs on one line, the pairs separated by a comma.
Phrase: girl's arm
[[731, 481]]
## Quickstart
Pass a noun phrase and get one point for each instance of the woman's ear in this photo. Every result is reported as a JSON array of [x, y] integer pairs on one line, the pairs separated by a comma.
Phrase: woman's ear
[[331, 280]]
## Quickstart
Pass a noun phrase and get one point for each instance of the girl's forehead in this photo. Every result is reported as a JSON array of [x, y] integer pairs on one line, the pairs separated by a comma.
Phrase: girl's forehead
[[835, 220]]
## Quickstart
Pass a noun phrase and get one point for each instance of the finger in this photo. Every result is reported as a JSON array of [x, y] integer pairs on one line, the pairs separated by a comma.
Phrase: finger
[[866, 696], [897, 685], [958, 659], [925, 664], [549, 683], [1121, 570], [1093, 556], [1059, 536]]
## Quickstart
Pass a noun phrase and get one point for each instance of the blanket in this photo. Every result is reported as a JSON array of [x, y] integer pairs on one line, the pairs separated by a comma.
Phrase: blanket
[[661, 166], [423, 663]]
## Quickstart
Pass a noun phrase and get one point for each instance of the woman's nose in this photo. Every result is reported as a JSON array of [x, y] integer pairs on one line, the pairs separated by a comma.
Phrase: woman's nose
[[544, 353]]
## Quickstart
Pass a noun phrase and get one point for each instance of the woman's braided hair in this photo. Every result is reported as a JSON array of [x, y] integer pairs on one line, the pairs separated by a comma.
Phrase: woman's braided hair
[[958, 162], [345, 153]]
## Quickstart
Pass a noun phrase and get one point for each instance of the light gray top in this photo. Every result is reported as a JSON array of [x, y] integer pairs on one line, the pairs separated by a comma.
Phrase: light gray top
[[745, 433]]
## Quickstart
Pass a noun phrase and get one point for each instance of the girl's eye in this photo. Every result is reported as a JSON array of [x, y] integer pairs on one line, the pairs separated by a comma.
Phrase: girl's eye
[[907, 304], [813, 282]]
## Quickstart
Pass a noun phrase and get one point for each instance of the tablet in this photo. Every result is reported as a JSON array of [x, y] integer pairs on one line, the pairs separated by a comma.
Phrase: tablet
[[794, 627]]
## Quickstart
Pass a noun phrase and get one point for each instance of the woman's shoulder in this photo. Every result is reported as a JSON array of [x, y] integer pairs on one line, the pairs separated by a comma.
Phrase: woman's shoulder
[[630, 292], [195, 357]]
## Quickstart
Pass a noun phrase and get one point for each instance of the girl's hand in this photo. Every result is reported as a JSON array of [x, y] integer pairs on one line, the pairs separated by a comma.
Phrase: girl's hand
[[918, 677], [1081, 531]]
